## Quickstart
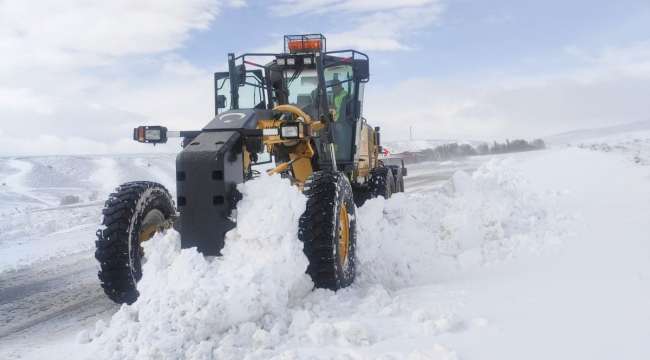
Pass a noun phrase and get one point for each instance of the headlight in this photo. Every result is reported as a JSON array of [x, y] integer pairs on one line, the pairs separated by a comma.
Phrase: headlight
[[289, 131], [281, 61], [291, 61], [307, 61], [150, 134], [270, 132]]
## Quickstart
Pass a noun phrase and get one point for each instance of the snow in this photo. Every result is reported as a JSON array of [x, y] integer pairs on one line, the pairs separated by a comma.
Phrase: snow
[[634, 145], [537, 255], [256, 302], [610, 132], [35, 222], [193, 307], [476, 219]]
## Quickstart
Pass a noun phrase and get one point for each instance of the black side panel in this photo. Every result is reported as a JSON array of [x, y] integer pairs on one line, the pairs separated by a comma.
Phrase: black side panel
[[207, 172], [238, 119]]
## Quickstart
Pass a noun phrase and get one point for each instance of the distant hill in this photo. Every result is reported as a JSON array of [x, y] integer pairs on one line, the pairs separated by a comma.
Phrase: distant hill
[[586, 134]]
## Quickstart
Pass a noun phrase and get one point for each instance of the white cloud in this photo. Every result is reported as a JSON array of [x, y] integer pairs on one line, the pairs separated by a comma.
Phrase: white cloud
[[609, 87], [371, 25], [78, 75], [296, 7], [80, 32], [16, 99]]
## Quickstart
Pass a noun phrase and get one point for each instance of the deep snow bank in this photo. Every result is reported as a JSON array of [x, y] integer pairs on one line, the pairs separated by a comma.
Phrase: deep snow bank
[[256, 302], [476, 219], [192, 307]]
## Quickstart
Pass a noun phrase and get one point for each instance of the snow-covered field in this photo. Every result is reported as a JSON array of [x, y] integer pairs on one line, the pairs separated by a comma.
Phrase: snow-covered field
[[538, 255], [49, 204]]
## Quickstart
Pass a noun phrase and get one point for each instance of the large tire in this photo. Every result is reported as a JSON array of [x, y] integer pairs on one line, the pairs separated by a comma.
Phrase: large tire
[[328, 230], [382, 182], [132, 214], [361, 194], [399, 181]]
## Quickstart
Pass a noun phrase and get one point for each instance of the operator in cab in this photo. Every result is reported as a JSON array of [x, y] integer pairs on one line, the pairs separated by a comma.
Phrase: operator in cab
[[339, 99], [343, 127]]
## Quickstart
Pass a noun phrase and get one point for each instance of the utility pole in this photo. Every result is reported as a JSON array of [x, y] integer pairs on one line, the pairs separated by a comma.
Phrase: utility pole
[[411, 132]]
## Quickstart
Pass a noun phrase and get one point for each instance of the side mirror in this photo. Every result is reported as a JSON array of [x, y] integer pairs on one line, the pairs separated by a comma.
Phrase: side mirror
[[221, 101], [362, 70], [241, 71], [404, 172]]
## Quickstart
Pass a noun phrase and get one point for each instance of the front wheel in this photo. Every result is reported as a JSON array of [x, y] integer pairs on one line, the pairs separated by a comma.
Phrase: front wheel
[[328, 230], [132, 215]]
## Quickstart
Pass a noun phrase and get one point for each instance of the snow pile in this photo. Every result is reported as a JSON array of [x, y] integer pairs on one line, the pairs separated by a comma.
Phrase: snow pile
[[192, 307], [476, 219], [257, 303]]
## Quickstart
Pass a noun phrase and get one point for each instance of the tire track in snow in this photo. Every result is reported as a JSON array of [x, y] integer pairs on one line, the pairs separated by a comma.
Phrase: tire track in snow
[[62, 290]]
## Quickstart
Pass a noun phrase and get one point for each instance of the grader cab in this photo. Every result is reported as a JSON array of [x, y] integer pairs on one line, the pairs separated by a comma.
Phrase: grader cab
[[302, 110]]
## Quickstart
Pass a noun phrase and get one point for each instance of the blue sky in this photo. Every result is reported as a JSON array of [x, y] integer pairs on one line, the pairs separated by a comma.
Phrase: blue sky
[[79, 74], [468, 37]]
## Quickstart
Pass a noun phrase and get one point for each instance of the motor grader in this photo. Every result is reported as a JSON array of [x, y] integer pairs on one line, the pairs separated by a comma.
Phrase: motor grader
[[296, 114]]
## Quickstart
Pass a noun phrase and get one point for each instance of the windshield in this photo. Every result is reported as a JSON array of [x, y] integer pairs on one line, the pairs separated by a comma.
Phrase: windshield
[[302, 87], [249, 96], [338, 80]]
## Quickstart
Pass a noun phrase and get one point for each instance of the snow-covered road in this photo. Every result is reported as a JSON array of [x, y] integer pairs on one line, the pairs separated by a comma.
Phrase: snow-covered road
[[44, 294], [532, 256]]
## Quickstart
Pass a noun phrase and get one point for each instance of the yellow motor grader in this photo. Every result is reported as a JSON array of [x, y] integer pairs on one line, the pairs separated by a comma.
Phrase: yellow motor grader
[[298, 113]]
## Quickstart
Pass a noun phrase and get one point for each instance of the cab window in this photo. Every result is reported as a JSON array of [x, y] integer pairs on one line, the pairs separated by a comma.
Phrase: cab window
[[340, 98], [249, 96]]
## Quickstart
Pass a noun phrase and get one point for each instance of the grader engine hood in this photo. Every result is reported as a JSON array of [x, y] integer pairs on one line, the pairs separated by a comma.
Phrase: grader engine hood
[[207, 173]]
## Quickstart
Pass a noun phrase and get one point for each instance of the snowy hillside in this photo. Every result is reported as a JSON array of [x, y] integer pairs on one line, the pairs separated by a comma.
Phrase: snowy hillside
[[634, 145], [578, 136], [538, 255], [49, 205]]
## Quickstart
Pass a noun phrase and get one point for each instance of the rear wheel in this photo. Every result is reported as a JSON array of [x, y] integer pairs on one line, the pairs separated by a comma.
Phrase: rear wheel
[[381, 182], [328, 230], [399, 181], [132, 215]]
